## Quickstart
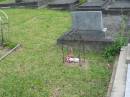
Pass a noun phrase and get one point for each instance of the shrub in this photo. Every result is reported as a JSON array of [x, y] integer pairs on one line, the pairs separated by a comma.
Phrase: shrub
[[82, 1], [114, 49], [9, 44]]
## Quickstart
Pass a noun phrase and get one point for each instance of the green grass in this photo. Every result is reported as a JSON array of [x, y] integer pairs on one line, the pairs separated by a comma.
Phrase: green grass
[[2, 0], [6, 1], [36, 69]]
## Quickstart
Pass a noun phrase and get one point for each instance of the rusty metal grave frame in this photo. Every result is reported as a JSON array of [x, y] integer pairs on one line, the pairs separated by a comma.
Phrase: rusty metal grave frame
[[80, 49]]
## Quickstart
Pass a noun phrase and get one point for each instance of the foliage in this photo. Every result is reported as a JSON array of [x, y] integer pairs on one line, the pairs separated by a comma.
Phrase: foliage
[[9, 44], [114, 49], [2, 0], [82, 1], [6, 1]]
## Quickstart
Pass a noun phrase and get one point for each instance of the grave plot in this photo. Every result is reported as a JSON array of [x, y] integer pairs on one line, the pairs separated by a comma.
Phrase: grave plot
[[107, 6], [93, 5], [116, 24], [35, 3], [120, 6], [23, 3], [40, 60], [63, 4], [88, 30], [6, 47]]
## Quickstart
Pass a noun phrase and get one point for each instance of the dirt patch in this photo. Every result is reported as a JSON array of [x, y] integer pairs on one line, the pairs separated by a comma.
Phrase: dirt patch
[[3, 50], [56, 92]]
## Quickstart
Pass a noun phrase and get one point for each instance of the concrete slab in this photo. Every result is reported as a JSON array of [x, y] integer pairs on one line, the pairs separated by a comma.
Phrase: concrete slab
[[120, 4], [92, 4], [62, 2], [127, 91], [119, 84], [128, 55]]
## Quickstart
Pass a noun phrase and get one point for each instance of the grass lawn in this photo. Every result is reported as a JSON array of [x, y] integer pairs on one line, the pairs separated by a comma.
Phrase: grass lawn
[[7, 1], [36, 69]]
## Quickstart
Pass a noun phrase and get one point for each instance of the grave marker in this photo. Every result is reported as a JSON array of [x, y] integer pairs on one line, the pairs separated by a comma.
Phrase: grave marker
[[89, 24], [89, 20]]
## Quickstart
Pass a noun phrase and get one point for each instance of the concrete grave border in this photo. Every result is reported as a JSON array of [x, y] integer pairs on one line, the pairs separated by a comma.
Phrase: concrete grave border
[[9, 52]]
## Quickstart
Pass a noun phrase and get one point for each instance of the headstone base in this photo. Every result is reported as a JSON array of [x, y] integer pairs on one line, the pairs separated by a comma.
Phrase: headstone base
[[90, 43]]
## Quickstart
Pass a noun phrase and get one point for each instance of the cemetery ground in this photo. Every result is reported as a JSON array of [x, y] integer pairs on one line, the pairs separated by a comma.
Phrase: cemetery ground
[[7, 1], [36, 69]]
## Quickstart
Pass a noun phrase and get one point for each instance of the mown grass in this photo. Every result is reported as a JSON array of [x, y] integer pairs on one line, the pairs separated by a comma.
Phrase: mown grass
[[36, 69], [7, 1]]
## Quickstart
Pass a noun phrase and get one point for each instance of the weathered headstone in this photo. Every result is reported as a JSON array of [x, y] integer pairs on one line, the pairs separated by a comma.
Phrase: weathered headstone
[[88, 23], [87, 20], [87, 28]]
